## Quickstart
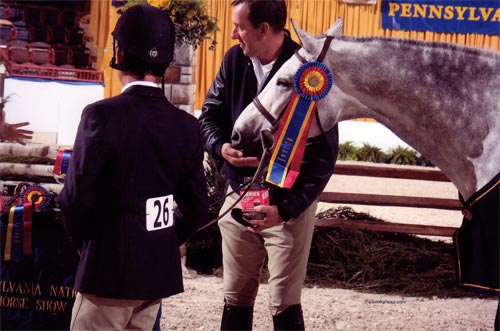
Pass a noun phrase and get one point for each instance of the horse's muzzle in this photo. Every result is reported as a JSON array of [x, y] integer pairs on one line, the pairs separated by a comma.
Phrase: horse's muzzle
[[252, 146]]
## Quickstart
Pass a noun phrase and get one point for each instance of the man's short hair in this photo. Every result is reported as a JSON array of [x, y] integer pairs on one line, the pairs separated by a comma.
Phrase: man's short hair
[[270, 11]]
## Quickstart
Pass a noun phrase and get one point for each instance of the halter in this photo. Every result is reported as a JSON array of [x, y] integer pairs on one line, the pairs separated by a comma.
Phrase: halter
[[275, 121]]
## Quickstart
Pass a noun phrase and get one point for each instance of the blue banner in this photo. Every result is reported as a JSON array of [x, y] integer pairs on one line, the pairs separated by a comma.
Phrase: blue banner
[[455, 16]]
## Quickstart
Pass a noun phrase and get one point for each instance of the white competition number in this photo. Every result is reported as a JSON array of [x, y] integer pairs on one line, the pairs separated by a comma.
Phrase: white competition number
[[160, 213]]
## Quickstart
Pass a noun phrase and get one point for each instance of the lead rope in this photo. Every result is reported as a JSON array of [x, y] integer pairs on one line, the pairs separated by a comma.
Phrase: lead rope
[[247, 186]]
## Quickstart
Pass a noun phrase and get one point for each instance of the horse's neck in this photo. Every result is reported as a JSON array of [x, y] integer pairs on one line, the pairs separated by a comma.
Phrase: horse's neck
[[433, 98]]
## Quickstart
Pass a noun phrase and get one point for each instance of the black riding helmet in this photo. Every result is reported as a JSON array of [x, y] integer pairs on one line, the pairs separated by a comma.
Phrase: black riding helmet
[[147, 37]]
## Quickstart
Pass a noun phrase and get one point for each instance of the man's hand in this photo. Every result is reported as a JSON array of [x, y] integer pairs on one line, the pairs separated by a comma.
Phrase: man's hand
[[236, 157], [271, 219], [11, 132]]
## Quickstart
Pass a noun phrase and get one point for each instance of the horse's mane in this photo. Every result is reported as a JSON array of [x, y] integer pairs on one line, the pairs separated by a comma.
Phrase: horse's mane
[[431, 44]]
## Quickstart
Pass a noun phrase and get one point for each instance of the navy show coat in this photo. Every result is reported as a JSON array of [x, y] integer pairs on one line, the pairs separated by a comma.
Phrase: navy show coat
[[133, 154]]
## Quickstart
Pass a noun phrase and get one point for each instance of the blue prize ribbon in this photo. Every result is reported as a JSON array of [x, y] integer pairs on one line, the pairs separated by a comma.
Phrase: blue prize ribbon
[[17, 234], [288, 140], [65, 161], [66, 157], [13, 239], [8, 236]]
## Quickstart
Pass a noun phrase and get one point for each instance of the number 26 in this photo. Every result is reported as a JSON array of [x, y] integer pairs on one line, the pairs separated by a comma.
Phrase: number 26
[[159, 212]]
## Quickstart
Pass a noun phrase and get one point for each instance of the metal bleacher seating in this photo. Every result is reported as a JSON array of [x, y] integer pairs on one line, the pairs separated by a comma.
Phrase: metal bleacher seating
[[41, 53], [46, 41], [7, 31], [53, 16], [22, 30], [63, 54], [81, 56], [33, 14], [39, 32], [18, 51], [58, 34]]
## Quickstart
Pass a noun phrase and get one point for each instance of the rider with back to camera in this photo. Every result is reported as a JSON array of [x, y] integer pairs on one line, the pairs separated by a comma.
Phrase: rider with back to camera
[[134, 154]]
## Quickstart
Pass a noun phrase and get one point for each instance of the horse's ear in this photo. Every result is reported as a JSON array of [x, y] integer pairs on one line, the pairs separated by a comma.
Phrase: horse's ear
[[298, 30], [336, 28], [304, 37]]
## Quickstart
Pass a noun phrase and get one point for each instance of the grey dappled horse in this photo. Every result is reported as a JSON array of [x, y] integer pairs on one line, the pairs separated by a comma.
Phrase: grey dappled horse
[[441, 99]]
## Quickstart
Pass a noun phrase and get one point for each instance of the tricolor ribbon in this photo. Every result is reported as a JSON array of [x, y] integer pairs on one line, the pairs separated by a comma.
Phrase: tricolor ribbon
[[61, 165], [37, 195], [291, 138], [18, 238], [312, 82]]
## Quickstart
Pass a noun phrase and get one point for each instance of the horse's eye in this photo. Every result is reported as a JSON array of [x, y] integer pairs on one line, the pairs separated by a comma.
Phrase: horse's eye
[[283, 82]]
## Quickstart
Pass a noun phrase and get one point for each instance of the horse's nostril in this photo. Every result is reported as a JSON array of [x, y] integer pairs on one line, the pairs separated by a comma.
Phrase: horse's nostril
[[235, 138]]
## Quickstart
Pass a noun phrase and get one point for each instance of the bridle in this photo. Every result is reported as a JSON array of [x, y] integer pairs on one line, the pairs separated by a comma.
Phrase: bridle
[[267, 139]]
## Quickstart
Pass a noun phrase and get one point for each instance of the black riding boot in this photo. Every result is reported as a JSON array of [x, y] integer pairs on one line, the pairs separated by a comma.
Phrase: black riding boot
[[290, 319], [237, 318]]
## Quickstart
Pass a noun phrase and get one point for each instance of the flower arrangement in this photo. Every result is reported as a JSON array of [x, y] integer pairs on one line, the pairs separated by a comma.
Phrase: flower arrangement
[[190, 18]]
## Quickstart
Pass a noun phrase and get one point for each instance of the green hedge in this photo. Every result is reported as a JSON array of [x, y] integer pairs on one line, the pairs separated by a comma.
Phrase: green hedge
[[348, 151]]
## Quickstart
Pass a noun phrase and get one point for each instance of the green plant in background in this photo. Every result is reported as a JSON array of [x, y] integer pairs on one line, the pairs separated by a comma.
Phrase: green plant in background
[[3, 101], [204, 252], [402, 155], [192, 23], [347, 151], [423, 161], [370, 153]]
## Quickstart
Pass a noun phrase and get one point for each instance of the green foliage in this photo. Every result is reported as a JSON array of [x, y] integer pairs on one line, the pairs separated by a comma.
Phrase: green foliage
[[216, 185], [370, 153], [190, 18], [347, 151], [423, 161], [402, 155], [204, 252]]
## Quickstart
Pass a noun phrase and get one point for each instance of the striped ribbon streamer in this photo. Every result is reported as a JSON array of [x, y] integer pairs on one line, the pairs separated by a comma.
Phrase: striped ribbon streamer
[[284, 165], [18, 238], [13, 238], [61, 165]]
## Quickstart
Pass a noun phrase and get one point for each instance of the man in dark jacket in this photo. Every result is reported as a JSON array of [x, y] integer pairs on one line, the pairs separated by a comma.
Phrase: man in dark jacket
[[134, 157], [285, 233]]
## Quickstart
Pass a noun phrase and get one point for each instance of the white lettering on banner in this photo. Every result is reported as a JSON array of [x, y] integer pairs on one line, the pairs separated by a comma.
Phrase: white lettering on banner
[[159, 213]]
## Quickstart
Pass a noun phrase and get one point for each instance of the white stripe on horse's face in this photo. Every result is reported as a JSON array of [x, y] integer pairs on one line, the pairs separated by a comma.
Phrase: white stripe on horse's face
[[274, 97]]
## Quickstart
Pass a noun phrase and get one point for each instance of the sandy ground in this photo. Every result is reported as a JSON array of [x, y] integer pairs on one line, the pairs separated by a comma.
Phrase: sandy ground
[[200, 306]]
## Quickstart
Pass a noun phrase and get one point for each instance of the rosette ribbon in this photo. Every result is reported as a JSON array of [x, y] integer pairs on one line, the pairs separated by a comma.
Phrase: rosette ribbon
[[312, 82], [36, 195]]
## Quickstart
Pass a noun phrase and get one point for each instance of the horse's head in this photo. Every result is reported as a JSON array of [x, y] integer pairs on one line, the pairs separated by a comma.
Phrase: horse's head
[[251, 123]]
